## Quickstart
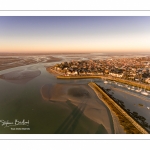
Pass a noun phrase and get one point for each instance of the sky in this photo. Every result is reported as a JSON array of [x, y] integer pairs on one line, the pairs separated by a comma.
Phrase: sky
[[74, 34]]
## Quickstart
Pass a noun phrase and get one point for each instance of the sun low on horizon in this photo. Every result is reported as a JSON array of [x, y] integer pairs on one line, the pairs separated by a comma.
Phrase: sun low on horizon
[[74, 34]]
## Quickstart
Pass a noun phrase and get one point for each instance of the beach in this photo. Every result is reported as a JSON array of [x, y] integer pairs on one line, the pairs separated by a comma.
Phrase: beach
[[84, 98]]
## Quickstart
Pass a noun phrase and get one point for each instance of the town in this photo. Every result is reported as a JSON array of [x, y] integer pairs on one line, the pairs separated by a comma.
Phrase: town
[[135, 69]]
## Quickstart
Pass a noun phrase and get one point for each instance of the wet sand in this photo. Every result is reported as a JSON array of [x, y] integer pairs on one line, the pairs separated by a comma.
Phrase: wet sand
[[11, 61], [83, 97], [20, 76]]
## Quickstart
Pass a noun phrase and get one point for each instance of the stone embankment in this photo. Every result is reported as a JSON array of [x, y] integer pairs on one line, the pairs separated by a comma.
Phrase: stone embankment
[[131, 126], [128, 82]]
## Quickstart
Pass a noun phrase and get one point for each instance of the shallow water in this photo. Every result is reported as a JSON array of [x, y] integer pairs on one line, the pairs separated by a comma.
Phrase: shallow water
[[131, 98], [24, 101], [78, 112]]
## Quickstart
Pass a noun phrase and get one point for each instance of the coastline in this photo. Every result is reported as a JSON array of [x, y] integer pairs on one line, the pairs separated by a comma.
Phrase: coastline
[[131, 83], [94, 110], [129, 124], [56, 73], [7, 63], [118, 114]]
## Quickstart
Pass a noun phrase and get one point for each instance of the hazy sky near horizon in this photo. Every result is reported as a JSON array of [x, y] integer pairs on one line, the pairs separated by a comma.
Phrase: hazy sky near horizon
[[74, 34]]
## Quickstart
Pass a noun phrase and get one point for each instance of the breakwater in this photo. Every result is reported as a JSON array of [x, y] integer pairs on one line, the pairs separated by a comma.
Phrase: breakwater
[[129, 124]]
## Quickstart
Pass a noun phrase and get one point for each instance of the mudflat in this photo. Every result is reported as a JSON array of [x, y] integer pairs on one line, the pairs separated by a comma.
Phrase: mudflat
[[11, 61], [84, 99], [20, 76]]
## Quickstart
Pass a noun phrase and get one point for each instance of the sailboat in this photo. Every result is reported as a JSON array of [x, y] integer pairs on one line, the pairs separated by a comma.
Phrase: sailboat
[[132, 88], [144, 92], [105, 81], [129, 88], [138, 90], [148, 91], [121, 85], [118, 84]]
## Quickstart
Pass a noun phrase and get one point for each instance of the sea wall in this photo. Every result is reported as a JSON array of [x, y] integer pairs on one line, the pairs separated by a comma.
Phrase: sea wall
[[133, 123], [128, 82]]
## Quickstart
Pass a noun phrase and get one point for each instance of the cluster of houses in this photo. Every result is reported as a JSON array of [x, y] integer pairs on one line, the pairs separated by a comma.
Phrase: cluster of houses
[[137, 68]]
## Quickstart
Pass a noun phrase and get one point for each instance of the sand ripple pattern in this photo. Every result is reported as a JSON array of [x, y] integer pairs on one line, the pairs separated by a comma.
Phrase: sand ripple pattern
[[21, 76]]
